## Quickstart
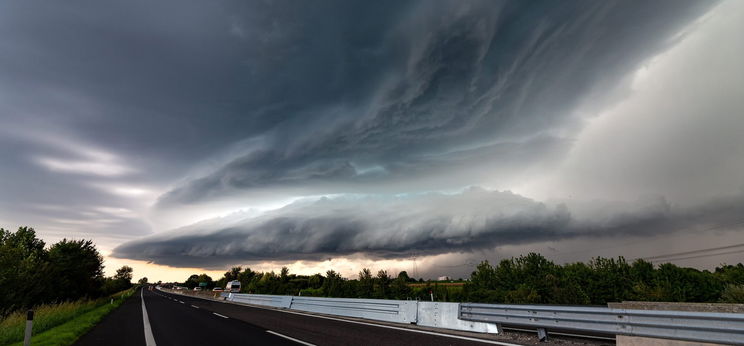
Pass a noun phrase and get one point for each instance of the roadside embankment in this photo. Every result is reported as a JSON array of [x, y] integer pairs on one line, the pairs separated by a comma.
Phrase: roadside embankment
[[60, 324]]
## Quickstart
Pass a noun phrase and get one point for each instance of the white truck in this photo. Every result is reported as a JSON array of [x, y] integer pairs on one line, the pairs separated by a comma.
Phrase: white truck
[[233, 286]]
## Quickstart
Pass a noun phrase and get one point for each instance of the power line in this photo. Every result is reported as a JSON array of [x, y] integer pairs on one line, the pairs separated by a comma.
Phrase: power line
[[700, 256], [726, 225], [693, 252]]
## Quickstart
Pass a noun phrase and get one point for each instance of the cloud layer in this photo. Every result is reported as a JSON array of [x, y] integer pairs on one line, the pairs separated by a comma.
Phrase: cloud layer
[[442, 95], [123, 121], [403, 226]]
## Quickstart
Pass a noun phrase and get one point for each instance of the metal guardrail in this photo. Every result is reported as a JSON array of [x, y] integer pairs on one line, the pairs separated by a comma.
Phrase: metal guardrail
[[401, 311], [726, 328], [262, 299]]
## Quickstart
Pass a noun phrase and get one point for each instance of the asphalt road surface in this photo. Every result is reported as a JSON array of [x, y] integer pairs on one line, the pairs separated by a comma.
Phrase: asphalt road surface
[[174, 319]]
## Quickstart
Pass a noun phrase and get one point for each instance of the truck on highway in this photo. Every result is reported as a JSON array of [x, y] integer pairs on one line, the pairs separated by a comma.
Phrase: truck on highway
[[233, 286]]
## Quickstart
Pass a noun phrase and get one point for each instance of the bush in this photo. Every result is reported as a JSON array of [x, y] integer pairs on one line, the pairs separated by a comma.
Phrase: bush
[[733, 294]]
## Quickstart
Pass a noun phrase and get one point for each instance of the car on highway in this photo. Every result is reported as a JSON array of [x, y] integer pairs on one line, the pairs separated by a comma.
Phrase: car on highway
[[217, 289], [197, 288]]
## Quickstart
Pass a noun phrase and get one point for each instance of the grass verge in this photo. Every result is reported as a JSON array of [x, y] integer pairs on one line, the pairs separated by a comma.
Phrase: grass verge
[[60, 324]]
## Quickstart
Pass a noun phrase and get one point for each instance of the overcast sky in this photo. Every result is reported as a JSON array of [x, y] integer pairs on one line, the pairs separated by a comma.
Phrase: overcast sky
[[422, 136]]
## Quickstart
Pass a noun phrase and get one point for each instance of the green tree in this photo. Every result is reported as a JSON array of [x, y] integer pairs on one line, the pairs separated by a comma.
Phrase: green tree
[[611, 280], [245, 278], [676, 284], [142, 281], [382, 285], [192, 281], [120, 281], [399, 287], [124, 274], [485, 286], [23, 267], [284, 274], [523, 295], [484, 277], [731, 274], [77, 269], [733, 294], [315, 281], [365, 286], [332, 285]]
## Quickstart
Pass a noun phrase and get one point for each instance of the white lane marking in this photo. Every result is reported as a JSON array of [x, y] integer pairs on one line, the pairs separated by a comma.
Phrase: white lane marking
[[223, 316], [149, 339], [194, 306], [181, 301], [290, 338]]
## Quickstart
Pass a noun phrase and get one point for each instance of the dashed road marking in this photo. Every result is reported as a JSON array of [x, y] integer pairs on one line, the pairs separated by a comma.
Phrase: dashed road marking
[[290, 338], [223, 316]]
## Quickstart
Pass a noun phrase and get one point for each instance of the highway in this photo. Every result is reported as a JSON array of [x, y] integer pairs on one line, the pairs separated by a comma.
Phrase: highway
[[173, 319]]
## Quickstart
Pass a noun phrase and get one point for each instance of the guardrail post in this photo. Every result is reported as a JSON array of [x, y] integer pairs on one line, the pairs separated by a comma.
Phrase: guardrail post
[[29, 327], [542, 334]]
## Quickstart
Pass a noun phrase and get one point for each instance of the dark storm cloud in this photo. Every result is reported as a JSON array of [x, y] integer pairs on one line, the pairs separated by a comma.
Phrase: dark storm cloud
[[183, 79], [163, 87], [426, 224], [436, 84], [196, 101], [338, 91]]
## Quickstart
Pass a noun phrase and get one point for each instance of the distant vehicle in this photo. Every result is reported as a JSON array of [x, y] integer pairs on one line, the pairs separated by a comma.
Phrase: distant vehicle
[[217, 289], [197, 288], [233, 286]]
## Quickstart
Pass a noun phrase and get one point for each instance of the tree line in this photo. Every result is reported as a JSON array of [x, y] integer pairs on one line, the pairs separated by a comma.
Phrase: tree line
[[528, 279], [32, 274], [332, 284], [533, 279]]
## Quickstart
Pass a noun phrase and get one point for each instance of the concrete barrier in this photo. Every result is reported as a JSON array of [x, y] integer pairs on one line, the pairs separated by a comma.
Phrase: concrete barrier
[[444, 315]]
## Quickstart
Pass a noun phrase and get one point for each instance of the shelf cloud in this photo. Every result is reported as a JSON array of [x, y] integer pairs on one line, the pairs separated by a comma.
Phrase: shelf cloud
[[424, 224]]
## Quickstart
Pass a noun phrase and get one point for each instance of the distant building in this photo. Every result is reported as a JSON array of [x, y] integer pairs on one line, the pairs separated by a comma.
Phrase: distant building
[[443, 278]]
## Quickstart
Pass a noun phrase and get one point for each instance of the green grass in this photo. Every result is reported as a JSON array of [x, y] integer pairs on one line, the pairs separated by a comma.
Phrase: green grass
[[59, 324]]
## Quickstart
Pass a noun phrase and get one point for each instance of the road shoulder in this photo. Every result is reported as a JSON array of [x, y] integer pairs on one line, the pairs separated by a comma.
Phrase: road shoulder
[[122, 326]]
